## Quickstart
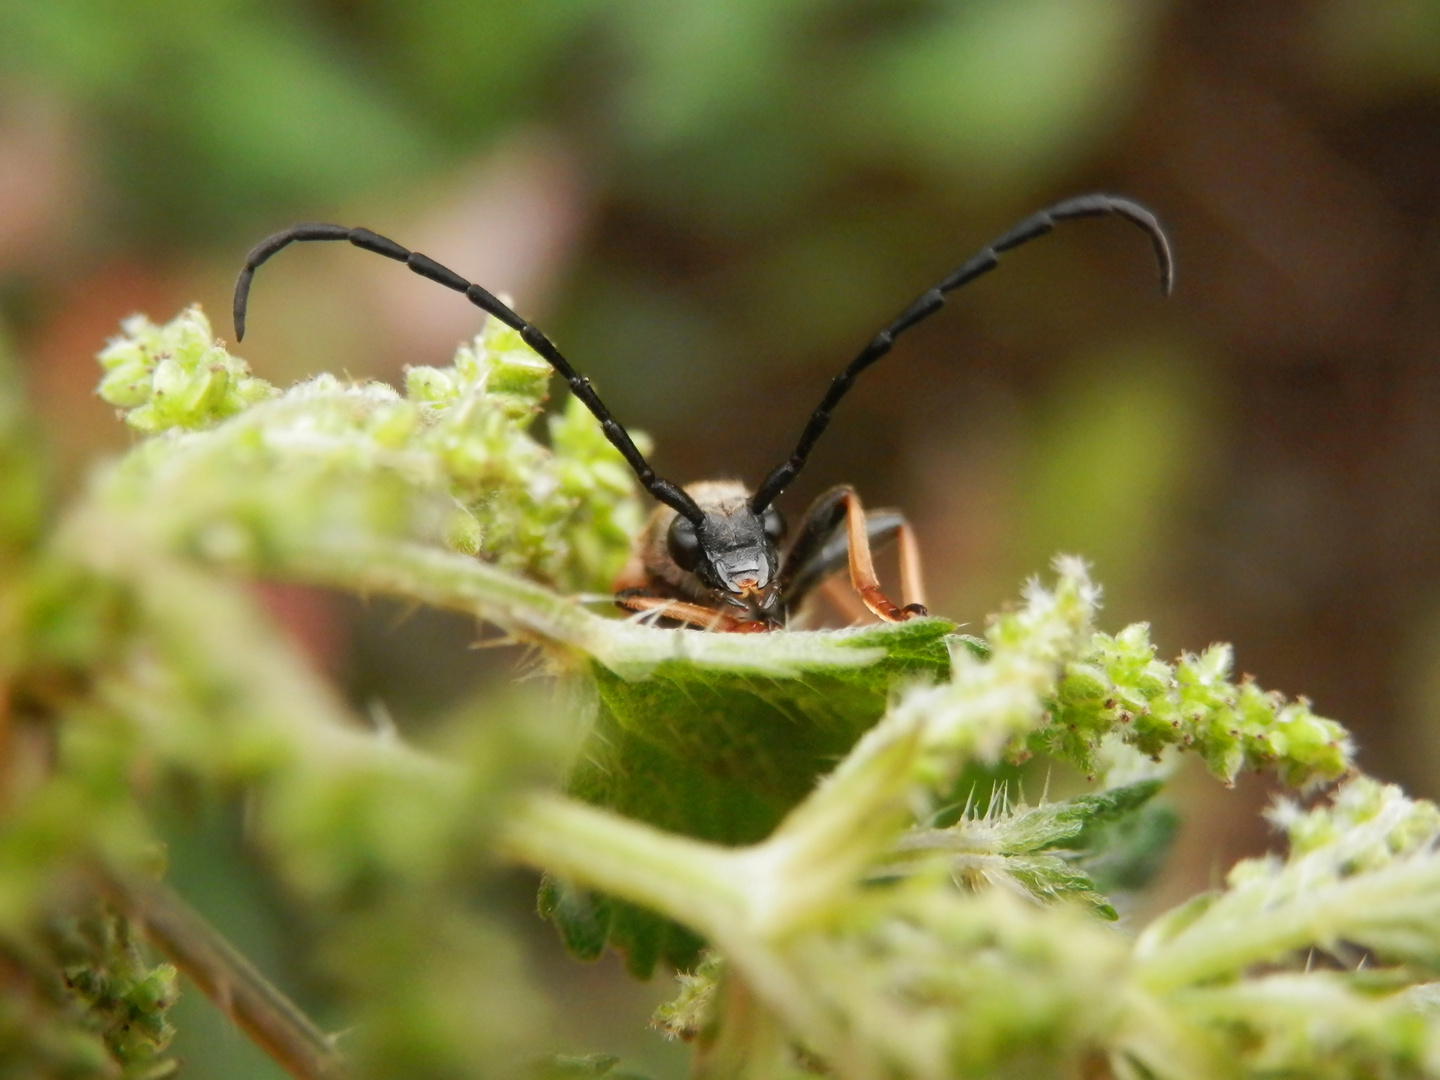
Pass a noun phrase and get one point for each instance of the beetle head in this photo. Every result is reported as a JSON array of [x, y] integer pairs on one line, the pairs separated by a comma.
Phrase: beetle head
[[733, 551]]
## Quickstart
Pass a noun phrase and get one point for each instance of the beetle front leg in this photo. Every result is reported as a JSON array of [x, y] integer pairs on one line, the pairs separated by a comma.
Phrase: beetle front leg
[[912, 581], [825, 543], [862, 566], [693, 614]]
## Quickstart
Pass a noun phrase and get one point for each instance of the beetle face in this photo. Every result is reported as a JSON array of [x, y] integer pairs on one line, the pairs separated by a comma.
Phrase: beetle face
[[733, 552]]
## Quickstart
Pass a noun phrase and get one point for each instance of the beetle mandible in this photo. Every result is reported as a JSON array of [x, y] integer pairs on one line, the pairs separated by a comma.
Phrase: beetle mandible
[[711, 555]]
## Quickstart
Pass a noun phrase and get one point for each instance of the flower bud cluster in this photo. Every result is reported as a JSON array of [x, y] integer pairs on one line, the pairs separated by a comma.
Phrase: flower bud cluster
[[109, 1020], [998, 688], [1118, 686], [562, 513], [1043, 673], [176, 375], [1366, 825]]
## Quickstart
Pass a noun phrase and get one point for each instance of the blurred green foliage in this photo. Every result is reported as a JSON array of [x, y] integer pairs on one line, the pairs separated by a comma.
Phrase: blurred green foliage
[[212, 114], [203, 116]]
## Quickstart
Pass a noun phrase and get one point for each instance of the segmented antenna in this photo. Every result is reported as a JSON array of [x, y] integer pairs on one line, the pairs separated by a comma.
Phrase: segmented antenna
[[932, 301], [663, 490]]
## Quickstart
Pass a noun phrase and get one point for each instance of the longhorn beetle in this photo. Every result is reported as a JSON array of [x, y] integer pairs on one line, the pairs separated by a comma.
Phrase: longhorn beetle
[[711, 555]]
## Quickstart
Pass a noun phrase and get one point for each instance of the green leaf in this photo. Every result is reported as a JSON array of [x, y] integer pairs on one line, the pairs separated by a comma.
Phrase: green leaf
[[1049, 877], [1075, 824], [721, 755], [1049, 850], [1126, 855], [1118, 839]]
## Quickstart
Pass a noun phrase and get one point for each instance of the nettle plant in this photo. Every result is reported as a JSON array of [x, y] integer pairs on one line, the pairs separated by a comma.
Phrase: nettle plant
[[794, 821]]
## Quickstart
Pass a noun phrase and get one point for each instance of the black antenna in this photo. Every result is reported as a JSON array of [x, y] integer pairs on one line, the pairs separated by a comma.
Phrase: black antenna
[[663, 490], [982, 262]]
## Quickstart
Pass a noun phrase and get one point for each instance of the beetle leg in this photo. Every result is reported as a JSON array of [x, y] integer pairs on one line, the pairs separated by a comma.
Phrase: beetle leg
[[824, 544], [818, 550], [862, 567], [693, 614], [912, 588], [912, 581]]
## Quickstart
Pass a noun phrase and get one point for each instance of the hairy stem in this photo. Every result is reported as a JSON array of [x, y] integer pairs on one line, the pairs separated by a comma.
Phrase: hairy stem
[[690, 881], [1398, 902]]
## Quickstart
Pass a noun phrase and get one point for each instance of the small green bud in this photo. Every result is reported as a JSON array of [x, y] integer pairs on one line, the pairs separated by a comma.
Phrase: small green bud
[[157, 991], [464, 532], [1083, 683], [126, 385], [169, 378], [175, 375], [393, 426], [207, 391], [430, 386]]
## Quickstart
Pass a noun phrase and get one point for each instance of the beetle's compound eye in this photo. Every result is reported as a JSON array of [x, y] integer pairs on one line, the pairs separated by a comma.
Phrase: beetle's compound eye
[[774, 525], [684, 545]]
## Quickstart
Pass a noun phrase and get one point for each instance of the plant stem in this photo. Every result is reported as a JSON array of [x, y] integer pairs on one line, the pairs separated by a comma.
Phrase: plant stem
[[449, 580], [719, 892], [693, 882], [1368, 909]]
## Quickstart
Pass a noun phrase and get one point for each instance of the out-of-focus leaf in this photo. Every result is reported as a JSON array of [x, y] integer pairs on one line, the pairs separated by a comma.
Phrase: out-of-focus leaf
[[1122, 439], [211, 112], [1125, 855], [1004, 89], [1379, 50], [699, 62], [22, 496], [469, 65]]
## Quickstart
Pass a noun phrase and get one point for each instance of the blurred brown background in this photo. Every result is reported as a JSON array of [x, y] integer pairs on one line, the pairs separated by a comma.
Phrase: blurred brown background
[[711, 204]]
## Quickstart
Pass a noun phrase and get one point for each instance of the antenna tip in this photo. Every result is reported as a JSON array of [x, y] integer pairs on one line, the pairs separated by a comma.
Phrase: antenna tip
[[242, 294], [1166, 258]]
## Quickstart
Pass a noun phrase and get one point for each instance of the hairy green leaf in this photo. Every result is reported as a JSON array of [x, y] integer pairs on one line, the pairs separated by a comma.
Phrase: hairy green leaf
[[721, 755]]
